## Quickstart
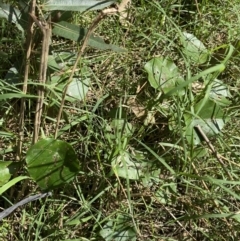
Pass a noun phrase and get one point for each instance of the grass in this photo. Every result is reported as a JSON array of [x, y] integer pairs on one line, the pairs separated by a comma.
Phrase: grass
[[185, 192]]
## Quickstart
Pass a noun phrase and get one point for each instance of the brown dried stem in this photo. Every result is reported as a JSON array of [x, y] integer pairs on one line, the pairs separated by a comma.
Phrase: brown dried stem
[[46, 30], [29, 45], [94, 24]]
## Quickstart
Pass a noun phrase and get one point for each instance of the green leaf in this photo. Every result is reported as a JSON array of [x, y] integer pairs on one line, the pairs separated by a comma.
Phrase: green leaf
[[6, 134], [3, 54], [165, 191], [194, 48], [52, 64], [118, 229], [11, 183], [76, 5], [210, 118], [150, 175], [190, 133], [123, 127], [77, 33], [163, 74], [217, 69], [78, 88], [210, 127], [51, 163], [7, 169], [160, 159], [198, 152], [219, 89], [15, 95], [12, 76], [134, 168], [62, 61], [123, 166], [219, 93], [10, 13]]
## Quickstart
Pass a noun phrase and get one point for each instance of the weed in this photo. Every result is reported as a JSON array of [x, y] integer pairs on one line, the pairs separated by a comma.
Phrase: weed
[[145, 145]]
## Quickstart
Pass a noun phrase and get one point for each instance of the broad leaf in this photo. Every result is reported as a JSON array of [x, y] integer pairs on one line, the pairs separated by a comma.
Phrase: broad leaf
[[119, 229], [165, 193], [12, 76], [199, 152], [163, 74], [219, 89], [194, 48], [190, 132], [76, 5], [211, 120], [10, 13], [52, 163], [7, 169], [122, 126], [78, 88], [123, 166], [220, 93], [131, 167], [52, 64], [60, 61]]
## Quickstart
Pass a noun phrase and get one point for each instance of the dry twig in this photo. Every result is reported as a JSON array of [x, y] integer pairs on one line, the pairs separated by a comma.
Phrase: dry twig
[[25, 81], [94, 24], [46, 30]]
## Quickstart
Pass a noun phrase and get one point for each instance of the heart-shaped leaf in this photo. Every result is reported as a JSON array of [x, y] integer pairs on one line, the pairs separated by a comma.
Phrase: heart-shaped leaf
[[163, 74], [7, 168], [194, 48], [211, 120], [52, 163], [78, 88], [124, 166], [119, 229]]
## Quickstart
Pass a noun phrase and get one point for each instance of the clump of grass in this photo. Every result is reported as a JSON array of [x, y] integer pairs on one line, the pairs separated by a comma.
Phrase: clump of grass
[[179, 195]]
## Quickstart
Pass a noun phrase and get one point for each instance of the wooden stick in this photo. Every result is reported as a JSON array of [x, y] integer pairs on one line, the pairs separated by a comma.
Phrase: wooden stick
[[46, 30], [25, 81]]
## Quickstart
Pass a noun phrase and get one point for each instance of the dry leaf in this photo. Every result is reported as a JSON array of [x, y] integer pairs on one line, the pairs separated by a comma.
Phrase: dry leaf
[[197, 86], [122, 9], [150, 119], [136, 108]]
